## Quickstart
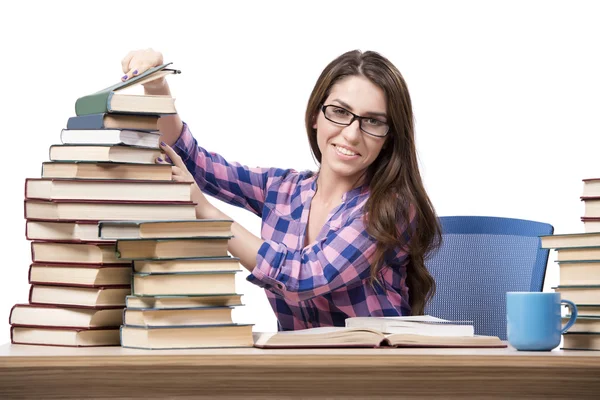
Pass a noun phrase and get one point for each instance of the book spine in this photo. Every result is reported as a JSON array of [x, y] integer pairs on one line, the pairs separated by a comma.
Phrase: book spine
[[91, 121], [11, 313], [96, 103], [29, 274]]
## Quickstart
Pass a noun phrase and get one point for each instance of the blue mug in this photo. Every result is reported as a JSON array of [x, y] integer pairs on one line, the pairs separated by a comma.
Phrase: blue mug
[[533, 320]]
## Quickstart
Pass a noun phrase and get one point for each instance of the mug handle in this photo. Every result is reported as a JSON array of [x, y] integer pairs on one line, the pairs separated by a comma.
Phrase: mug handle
[[573, 309]]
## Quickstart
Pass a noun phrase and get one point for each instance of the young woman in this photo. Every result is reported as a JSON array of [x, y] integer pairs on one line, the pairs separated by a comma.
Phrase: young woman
[[347, 240]]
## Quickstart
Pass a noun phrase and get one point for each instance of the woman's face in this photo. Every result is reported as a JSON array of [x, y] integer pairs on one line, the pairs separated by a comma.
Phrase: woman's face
[[347, 151]]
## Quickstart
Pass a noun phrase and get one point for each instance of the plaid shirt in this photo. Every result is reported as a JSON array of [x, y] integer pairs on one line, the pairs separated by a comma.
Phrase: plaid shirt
[[323, 283]]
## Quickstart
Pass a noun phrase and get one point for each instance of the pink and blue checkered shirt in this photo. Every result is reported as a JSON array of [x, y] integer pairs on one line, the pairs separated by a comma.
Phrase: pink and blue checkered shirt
[[323, 283]]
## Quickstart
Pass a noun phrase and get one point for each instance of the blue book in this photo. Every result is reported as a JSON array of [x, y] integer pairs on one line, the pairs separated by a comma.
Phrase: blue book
[[114, 121]]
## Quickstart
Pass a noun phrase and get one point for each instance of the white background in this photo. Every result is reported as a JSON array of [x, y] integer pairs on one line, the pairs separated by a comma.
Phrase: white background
[[505, 93]]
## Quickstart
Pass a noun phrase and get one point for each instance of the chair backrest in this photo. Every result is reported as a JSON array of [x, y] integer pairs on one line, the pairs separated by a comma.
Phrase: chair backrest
[[480, 259]]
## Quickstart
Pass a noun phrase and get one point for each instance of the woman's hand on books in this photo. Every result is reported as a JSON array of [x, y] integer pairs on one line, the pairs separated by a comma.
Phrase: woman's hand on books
[[137, 62], [180, 173]]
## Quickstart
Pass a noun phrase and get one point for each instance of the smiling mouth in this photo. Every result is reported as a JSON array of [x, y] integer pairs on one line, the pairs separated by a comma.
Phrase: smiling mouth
[[344, 151]]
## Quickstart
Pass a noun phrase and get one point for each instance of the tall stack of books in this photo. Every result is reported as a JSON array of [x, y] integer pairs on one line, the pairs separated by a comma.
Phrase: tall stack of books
[[103, 170], [183, 285], [578, 258]]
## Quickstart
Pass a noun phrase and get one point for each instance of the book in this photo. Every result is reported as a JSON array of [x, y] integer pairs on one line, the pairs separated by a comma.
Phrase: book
[[591, 224], [90, 275], [74, 253], [578, 254], [581, 341], [79, 296], [178, 316], [588, 310], [164, 229], [417, 325], [183, 283], [570, 240], [114, 121], [591, 187], [106, 170], [104, 153], [136, 249], [113, 100], [97, 210], [205, 336], [111, 136], [365, 337], [584, 324], [168, 302], [591, 206], [70, 337], [579, 273], [204, 264], [580, 294], [104, 189], [63, 231], [44, 315]]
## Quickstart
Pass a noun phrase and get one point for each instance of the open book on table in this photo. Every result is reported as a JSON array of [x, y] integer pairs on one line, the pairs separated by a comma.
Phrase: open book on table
[[418, 331]]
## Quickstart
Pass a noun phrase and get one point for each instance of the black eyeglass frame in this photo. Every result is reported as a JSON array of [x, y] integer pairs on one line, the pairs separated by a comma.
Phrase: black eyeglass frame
[[354, 118]]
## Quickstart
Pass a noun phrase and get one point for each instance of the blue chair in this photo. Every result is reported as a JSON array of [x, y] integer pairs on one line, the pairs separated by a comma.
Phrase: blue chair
[[480, 259]]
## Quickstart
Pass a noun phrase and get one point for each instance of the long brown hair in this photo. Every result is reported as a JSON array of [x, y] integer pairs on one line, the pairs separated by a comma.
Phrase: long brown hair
[[397, 192]]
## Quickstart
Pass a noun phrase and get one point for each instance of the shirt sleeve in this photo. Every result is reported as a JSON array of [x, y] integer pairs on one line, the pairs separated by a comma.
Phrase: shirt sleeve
[[343, 258], [232, 183]]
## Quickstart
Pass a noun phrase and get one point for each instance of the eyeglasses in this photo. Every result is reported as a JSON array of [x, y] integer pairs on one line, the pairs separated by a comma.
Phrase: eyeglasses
[[368, 125]]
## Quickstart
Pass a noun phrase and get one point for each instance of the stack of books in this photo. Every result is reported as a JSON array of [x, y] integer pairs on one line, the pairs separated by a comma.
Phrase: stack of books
[[103, 170], [578, 258], [183, 284]]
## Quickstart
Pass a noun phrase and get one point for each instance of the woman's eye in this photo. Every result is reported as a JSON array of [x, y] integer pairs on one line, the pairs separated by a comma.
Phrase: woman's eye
[[340, 111], [375, 122]]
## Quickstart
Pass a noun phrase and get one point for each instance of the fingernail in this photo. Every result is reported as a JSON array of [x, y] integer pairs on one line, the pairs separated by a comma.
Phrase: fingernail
[[135, 72], [163, 144], [124, 77], [160, 159]]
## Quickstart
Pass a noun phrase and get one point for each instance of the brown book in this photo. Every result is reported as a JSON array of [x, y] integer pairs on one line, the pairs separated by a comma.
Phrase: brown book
[[579, 273], [183, 284], [206, 336], [178, 317], [70, 231], [74, 253], [104, 153], [169, 302], [96, 210], [105, 189], [106, 170], [591, 206], [588, 310], [580, 294], [584, 324], [84, 275], [165, 229], [581, 341], [365, 337], [591, 187], [79, 296], [204, 264], [591, 224], [32, 315], [136, 249], [68, 337]]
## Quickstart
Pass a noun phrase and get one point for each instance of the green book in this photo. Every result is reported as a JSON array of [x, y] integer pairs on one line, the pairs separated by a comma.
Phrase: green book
[[110, 100]]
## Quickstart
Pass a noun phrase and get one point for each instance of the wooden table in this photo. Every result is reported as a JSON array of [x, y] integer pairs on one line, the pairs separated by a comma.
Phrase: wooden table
[[113, 372]]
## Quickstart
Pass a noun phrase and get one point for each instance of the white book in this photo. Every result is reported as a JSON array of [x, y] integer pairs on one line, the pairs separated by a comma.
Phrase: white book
[[111, 136], [425, 325]]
